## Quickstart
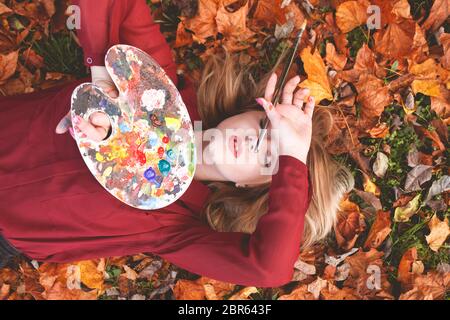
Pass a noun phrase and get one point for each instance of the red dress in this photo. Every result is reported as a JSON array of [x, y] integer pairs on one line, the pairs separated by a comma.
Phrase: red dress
[[53, 210]]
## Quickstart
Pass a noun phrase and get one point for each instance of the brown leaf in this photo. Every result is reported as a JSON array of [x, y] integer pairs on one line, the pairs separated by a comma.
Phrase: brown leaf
[[334, 293], [408, 268], [204, 23], [438, 15], [431, 286], [336, 60], [244, 294], [396, 40], [8, 64], [269, 12], [4, 9], [299, 293], [439, 231], [373, 96], [189, 290], [348, 228], [380, 229]]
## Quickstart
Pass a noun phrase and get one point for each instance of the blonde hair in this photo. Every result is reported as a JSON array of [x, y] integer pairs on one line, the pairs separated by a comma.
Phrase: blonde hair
[[227, 88]]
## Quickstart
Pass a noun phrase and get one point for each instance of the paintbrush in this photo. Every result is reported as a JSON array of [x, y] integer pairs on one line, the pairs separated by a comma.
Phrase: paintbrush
[[280, 84]]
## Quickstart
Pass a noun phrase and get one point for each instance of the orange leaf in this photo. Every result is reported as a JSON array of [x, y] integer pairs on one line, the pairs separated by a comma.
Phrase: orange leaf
[[204, 23], [336, 60], [351, 14], [189, 290], [317, 80]]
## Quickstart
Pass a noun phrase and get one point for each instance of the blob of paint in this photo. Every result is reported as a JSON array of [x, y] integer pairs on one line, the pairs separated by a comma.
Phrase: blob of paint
[[164, 167], [161, 152], [171, 154], [141, 157], [166, 140], [150, 174], [155, 121]]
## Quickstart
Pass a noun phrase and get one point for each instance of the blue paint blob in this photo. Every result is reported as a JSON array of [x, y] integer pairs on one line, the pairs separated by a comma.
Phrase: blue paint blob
[[158, 181], [150, 174], [153, 139], [110, 108], [124, 127], [165, 167], [171, 154]]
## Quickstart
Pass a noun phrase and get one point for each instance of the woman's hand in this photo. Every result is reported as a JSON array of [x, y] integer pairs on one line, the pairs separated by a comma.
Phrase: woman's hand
[[290, 121], [98, 126]]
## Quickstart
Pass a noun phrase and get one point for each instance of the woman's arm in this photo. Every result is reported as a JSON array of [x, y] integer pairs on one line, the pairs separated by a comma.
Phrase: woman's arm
[[264, 258], [105, 23]]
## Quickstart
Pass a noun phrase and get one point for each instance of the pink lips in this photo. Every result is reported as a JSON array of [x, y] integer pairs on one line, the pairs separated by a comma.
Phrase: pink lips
[[235, 146]]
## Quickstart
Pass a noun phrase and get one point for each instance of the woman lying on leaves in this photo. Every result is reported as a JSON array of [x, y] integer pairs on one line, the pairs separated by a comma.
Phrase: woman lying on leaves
[[233, 224]]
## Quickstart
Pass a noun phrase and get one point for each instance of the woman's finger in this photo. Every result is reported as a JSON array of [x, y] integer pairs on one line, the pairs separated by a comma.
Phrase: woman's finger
[[271, 112], [300, 96], [310, 105], [64, 124], [94, 133], [289, 88], [270, 88], [100, 119], [108, 87]]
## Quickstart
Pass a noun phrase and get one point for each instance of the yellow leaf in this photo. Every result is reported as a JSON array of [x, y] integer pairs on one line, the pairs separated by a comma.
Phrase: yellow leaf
[[427, 87], [92, 275], [402, 214], [317, 80]]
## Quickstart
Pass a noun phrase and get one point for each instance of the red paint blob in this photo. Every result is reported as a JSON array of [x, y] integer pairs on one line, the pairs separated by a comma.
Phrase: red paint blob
[[141, 157], [161, 152], [166, 140]]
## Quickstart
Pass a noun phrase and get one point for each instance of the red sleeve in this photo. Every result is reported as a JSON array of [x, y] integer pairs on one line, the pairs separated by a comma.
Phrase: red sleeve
[[105, 23], [265, 258], [94, 32]]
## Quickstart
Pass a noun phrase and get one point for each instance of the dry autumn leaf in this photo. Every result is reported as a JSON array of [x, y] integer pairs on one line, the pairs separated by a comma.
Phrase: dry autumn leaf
[[317, 80], [8, 64], [351, 14], [380, 229], [409, 267], [439, 231]]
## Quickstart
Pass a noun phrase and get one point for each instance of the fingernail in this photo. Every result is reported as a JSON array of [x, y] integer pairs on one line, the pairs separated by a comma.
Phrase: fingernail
[[62, 125], [311, 99], [260, 102]]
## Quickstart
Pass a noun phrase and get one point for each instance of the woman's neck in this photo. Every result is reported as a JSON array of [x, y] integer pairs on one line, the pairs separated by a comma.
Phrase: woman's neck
[[205, 170]]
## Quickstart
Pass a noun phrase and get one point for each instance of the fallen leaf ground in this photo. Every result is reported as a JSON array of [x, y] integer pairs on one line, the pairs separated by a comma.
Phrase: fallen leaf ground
[[388, 90]]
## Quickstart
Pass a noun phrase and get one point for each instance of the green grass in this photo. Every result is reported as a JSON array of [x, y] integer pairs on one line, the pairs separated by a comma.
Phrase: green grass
[[62, 54]]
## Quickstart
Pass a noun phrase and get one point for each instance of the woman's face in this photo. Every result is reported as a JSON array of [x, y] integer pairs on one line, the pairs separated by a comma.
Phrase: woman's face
[[232, 149]]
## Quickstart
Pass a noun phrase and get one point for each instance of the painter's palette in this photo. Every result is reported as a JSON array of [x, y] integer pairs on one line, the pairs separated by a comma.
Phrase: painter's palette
[[148, 162]]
